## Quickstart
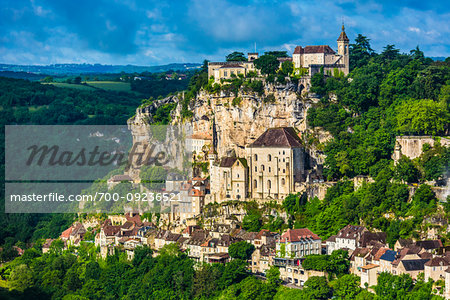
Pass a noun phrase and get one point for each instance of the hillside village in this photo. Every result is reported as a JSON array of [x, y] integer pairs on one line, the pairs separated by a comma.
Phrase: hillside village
[[256, 152]]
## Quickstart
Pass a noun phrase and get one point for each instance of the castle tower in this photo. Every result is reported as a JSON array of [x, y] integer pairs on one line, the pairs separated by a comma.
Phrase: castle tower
[[343, 50]]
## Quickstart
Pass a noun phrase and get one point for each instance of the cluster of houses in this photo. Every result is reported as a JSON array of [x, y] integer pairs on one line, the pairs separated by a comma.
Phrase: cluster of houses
[[369, 254]]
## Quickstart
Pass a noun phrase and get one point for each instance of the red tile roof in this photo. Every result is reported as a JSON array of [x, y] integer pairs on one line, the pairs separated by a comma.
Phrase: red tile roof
[[66, 233], [295, 235]]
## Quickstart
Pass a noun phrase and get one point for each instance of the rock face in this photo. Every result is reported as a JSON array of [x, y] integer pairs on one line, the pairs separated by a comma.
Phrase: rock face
[[411, 146], [238, 123], [150, 142]]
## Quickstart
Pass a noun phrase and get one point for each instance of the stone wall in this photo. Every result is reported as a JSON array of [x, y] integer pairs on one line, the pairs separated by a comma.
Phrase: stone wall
[[411, 146]]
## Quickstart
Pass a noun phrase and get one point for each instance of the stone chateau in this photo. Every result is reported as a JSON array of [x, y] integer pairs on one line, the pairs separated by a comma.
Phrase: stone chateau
[[311, 58]]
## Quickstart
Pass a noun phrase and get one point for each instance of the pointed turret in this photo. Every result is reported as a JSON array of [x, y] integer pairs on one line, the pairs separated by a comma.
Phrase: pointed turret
[[343, 37]]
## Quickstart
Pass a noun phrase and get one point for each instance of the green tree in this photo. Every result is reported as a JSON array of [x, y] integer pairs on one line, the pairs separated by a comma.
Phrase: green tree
[[316, 287], [393, 287], [406, 170], [273, 276], [241, 250], [360, 52], [268, 64], [236, 56], [346, 287], [424, 117]]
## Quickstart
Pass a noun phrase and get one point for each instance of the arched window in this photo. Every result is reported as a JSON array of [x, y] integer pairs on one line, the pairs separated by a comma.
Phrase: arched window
[[255, 184], [283, 181], [269, 184], [269, 157], [262, 167], [256, 157]]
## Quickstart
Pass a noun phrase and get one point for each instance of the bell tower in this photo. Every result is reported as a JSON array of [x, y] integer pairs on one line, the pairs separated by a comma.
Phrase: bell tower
[[343, 49]]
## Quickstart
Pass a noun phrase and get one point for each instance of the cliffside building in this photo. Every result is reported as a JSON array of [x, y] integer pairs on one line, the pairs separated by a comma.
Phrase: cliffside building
[[229, 179], [315, 57], [312, 58], [276, 161]]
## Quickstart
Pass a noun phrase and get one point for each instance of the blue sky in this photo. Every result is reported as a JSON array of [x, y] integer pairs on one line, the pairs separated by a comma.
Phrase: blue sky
[[159, 32]]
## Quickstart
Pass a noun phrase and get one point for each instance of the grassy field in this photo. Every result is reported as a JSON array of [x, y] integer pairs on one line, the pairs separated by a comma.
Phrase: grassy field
[[72, 86], [111, 85]]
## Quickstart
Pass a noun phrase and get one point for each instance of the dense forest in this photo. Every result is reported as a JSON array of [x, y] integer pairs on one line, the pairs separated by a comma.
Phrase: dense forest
[[25, 102]]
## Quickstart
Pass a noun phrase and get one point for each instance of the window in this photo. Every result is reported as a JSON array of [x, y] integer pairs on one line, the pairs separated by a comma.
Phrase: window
[[283, 152], [255, 183], [262, 167], [269, 157], [256, 157], [283, 181], [256, 169], [284, 170], [225, 73], [269, 184], [270, 169]]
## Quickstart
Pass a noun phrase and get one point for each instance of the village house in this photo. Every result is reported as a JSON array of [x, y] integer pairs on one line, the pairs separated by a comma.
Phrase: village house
[[369, 275], [386, 261], [229, 178], [298, 243], [291, 270], [262, 259], [435, 268], [348, 238], [198, 143]]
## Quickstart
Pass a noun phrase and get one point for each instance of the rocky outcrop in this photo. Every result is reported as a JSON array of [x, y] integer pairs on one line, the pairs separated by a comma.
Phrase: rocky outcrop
[[411, 146]]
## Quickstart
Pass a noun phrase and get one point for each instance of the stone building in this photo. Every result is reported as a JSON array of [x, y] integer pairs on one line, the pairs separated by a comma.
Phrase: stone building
[[276, 161], [229, 179], [314, 58], [298, 243], [225, 70]]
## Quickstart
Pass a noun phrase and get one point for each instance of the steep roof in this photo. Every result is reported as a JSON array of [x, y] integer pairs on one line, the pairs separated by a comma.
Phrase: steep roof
[[66, 233], [227, 162], [414, 264], [389, 255], [380, 253], [296, 235], [437, 262], [368, 237], [314, 49], [343, 36], [351, 232], [278, 137], [429, 244]]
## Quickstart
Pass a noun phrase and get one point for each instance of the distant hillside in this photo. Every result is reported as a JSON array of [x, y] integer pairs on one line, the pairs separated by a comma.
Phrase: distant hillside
[[68, 69]]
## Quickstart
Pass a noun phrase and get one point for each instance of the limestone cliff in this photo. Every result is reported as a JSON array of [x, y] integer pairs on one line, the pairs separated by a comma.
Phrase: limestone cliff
[[238, 120]]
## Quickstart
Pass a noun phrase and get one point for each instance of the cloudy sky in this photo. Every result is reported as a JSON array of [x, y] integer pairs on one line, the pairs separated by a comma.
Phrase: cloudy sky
[[158, 32]]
